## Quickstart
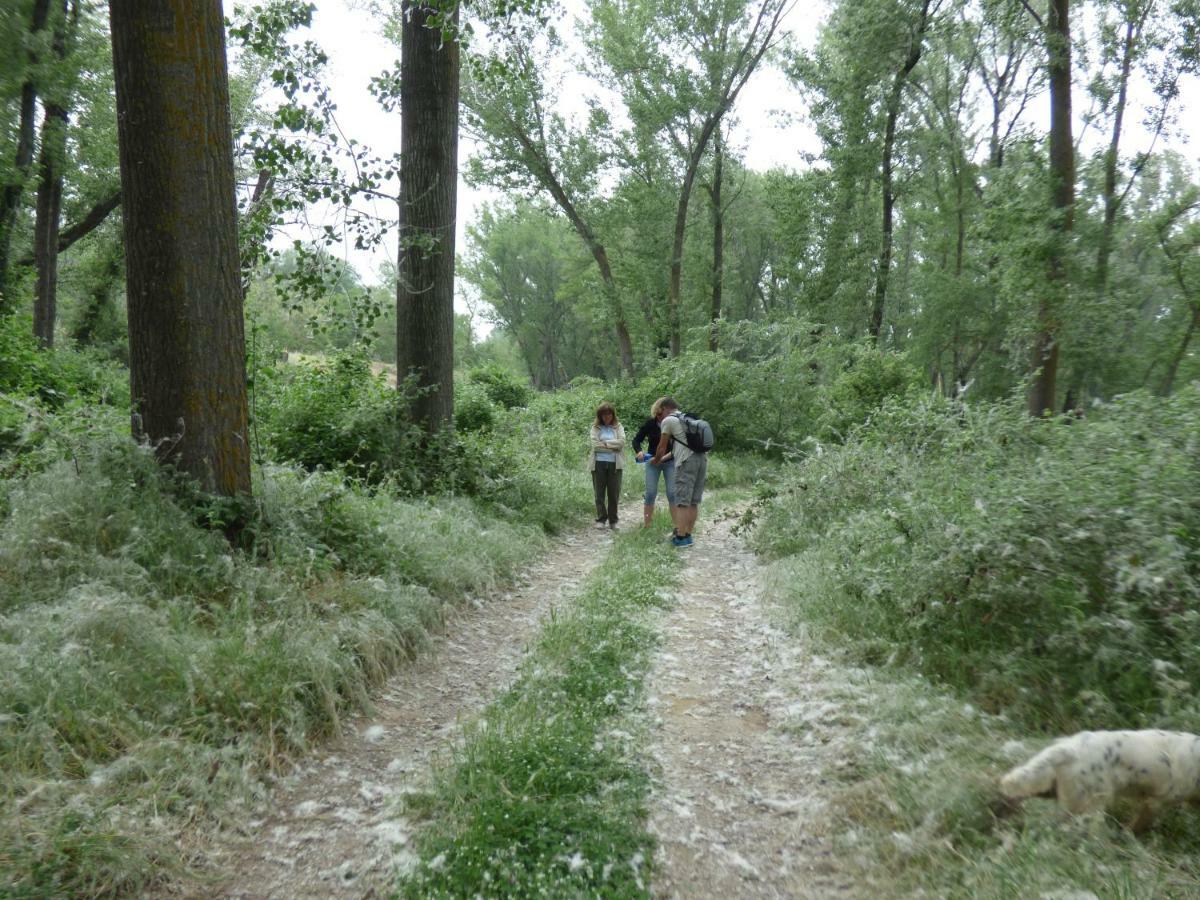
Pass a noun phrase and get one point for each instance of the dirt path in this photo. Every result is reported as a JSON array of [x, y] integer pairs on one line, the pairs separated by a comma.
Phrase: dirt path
[[745, 731], [334, 828]]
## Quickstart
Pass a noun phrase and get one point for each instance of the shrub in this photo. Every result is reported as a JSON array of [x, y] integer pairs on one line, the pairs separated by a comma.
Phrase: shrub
[[335, 415], [1050, 569], [473, 409], [502, 387]]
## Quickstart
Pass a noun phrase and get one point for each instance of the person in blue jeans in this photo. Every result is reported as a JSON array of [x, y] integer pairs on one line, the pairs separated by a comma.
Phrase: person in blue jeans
[[649, 434]]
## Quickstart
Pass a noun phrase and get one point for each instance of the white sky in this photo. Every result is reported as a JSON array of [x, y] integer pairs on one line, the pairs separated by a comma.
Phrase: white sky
[[771, 127]]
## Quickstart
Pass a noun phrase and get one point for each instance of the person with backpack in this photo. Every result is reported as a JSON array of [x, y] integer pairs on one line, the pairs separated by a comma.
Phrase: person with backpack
[[688, 439], [650, 434]]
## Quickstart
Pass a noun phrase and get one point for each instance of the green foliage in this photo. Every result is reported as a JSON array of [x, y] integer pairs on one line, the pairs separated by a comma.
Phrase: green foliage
[[1044, 566], [335, 414], [502, 387], [473, 407]]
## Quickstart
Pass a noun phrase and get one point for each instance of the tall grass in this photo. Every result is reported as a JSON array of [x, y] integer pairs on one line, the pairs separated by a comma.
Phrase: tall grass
[[1049, 568], [149, 674]]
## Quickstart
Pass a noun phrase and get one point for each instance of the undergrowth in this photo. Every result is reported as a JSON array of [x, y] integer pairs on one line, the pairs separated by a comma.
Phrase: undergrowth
[[150, 675], [1048, 568], [915, 810], [545, 799]]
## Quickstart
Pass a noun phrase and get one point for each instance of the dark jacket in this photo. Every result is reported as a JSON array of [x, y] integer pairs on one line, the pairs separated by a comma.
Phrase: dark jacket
[[650, 431]]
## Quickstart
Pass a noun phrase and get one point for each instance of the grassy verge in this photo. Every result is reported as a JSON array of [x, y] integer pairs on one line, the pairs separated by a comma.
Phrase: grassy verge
[[916, 811], [150, 676], [545, 799]]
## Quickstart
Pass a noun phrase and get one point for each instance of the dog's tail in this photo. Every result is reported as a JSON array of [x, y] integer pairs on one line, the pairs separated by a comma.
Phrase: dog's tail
[[1038, 775]]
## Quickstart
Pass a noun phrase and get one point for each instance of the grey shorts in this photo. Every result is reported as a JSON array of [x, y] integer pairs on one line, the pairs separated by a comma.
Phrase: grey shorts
[[689, 480]]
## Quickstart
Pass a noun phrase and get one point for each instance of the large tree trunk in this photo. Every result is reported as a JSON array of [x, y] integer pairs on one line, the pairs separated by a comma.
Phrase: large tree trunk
[[884, 266], [1044, 360], [49, 196], [718, 270], [186, 335], [14, 189], [429, 73]]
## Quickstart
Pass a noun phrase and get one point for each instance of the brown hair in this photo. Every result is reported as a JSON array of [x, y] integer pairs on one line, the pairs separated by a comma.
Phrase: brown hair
[[601, 410], [667, 403]]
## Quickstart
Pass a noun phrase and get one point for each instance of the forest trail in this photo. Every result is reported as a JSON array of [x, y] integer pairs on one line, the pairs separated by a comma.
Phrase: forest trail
[[746, 731], [335, 827]]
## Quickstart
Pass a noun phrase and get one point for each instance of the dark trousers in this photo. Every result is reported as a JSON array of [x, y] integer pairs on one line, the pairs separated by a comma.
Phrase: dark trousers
[[606, 480]]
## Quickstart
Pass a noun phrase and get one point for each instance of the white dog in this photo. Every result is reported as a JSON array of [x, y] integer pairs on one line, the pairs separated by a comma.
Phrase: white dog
[[1091, 770]]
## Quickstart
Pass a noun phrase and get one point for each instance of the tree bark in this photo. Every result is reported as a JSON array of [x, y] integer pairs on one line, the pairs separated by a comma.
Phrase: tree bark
[[1044, 361], [186, 335], [50, 190], [429, 87], [884, 266], [718, 270], [14, 189]]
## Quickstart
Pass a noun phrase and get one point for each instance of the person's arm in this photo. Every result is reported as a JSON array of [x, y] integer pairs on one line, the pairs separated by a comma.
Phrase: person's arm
[[617, 443], [597, 444], [643, 434], [664, 448]]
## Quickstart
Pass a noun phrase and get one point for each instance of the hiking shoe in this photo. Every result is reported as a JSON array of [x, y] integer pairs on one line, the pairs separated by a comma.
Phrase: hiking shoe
[[685, 541]]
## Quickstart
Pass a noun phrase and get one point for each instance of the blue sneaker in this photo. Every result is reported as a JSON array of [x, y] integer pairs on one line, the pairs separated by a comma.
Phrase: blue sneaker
[[685, 541]]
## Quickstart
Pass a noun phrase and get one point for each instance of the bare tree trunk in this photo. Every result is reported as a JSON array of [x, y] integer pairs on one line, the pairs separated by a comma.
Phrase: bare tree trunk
[[1044, 360], [429, 83], [50, 190], [14, 189], [186, 335], [883, 269], [718, 272], [1111, 158]]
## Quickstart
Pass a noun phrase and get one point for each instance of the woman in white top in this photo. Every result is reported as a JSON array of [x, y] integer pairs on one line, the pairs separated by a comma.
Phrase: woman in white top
[[607, 461]]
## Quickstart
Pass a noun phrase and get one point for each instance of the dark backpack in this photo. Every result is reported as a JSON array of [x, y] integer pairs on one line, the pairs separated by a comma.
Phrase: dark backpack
[[697, 432]]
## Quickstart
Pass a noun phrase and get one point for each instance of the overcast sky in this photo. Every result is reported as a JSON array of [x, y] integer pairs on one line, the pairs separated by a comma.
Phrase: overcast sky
[[771, 128]]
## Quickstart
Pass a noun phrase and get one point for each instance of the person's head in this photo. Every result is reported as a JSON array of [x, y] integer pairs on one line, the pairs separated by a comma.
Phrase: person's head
[[663, 407], [656, 409], [605, 415]]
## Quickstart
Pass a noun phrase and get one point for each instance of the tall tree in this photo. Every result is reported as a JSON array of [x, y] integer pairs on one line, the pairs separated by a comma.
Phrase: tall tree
[[718, 251], [527, 147], [51, 159], [14, 187], [1044, 361], [429, 88], [680, 67], [186, 335], [916, 41]]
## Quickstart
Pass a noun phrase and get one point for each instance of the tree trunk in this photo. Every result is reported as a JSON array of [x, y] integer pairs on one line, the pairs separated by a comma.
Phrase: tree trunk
[[14, 189], [889, 197], [49, 195], [187, 343], [1044, 360], [718, 271], [1111, 158], [429, 81]]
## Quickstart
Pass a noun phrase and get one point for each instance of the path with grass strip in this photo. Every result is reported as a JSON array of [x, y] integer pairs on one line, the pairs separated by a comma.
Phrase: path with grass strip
[[335, 827], [745, 738]]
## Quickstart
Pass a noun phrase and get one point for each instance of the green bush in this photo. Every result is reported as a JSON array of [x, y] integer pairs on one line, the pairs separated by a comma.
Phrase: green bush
[[1051, 569], [473, 408], [502, 387], [335, 415]]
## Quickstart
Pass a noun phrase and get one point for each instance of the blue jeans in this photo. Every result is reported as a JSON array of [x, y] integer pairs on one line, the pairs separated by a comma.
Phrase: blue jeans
[[668, 472]]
